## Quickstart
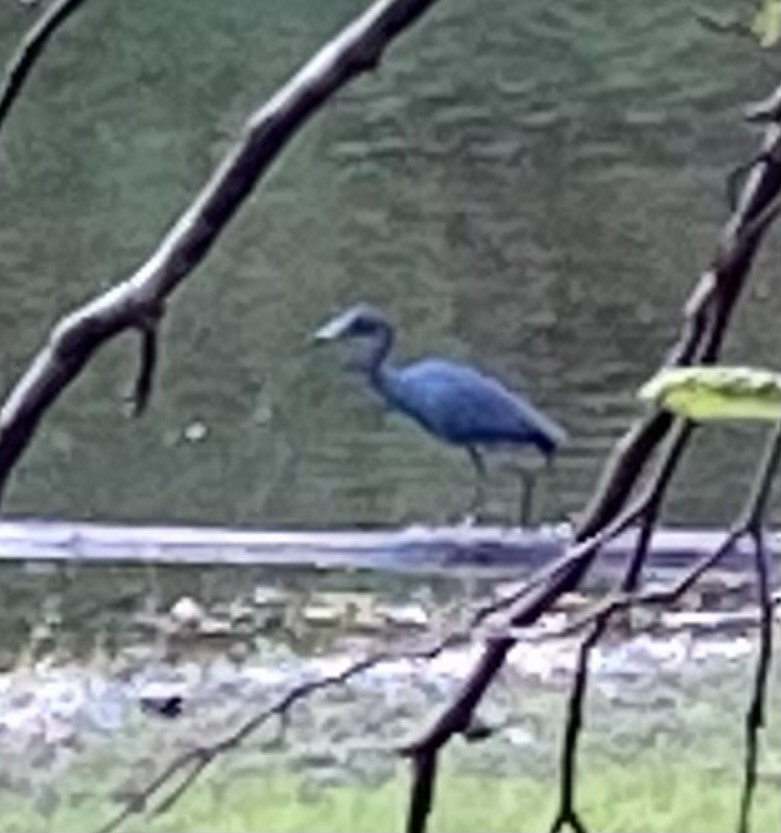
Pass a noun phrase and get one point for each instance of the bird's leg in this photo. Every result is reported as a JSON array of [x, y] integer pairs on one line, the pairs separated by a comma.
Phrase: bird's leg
[[528, 483], [478, 496]]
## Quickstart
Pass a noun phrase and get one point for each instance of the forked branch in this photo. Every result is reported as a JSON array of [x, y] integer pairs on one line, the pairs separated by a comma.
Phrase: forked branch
[[748, 524], [567, 813], [165, 788], [707, 316], [141, 297], [163, 791]]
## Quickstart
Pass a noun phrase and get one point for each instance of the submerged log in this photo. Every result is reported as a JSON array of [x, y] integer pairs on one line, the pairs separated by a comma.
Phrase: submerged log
[[499, 550]]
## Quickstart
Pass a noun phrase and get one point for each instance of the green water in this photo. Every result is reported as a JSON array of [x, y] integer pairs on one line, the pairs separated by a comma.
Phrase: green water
[[527, 185]]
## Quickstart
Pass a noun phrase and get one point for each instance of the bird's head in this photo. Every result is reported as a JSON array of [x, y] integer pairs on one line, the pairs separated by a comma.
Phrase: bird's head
[[358, 322], [363, 327]]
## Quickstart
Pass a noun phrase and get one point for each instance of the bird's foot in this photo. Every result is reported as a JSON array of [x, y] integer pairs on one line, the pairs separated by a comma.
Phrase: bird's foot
[[462, 520], [468, 520]]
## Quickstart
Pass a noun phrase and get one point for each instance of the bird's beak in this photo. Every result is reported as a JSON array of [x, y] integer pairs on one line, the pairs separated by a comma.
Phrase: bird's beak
[[324, 334], [331, 331]]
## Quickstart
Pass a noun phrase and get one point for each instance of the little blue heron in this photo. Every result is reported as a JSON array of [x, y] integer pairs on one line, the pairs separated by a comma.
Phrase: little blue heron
[[454, 402]]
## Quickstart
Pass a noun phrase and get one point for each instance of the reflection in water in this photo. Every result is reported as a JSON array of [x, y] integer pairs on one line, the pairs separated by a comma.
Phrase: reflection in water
[[68, 615], [532, 188], [60, 613]]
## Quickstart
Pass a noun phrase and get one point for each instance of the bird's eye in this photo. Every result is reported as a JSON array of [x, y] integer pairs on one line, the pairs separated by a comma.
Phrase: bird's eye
[[364, 326]]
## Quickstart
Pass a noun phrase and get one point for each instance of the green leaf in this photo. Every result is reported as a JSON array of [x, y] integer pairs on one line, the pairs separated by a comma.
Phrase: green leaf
[[716, 392], [766, 24]]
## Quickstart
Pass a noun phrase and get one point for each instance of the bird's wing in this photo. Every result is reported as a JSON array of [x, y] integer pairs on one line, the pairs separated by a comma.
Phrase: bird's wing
[[461, 404]]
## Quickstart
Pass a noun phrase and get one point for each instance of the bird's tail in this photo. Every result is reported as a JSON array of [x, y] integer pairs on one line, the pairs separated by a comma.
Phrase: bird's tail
[[550, 437]]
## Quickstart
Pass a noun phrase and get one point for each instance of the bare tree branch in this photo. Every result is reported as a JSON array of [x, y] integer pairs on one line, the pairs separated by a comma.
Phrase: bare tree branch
[[707, 316], [732, 26], [703, 330], [190, 764], [567, 813], [194, 761], [703, 327], [769, 109], [749, 523], [424, 777], [29, 50], [755, 714], [131, 303], [149, 331], [534, 598]]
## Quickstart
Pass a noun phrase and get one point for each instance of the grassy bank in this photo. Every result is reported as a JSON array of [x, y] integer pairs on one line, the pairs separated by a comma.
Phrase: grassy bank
[[659, 793], [661, 752]]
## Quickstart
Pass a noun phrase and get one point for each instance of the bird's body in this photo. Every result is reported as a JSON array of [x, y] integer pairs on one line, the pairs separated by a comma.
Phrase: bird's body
[[462, 406], [452, 401]]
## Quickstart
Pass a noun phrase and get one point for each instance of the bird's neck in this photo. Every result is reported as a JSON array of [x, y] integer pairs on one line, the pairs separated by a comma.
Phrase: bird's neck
[[373, 362], [382, 378]]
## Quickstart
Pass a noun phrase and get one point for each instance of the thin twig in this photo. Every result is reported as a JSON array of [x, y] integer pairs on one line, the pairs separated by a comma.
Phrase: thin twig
[[731, 26], [749, 523], [755, 714], [195, 760], [767, 110], [29, 50], [615, 603], [567, 813], [566, 561], [531, 601], [738, 174], [149, 332]]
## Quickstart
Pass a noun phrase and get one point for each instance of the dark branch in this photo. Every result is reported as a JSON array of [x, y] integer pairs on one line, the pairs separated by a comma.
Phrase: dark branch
[[737, 176], [755, 714], [707, 316], [191, 764], [537, 595], [567, 813], [149, 332], [767, 110], [424, 776], [615, 603], [195, 760], [749, 523], [566, 561], [79, 335], [29, 50], [731, 26], [146, 370]]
